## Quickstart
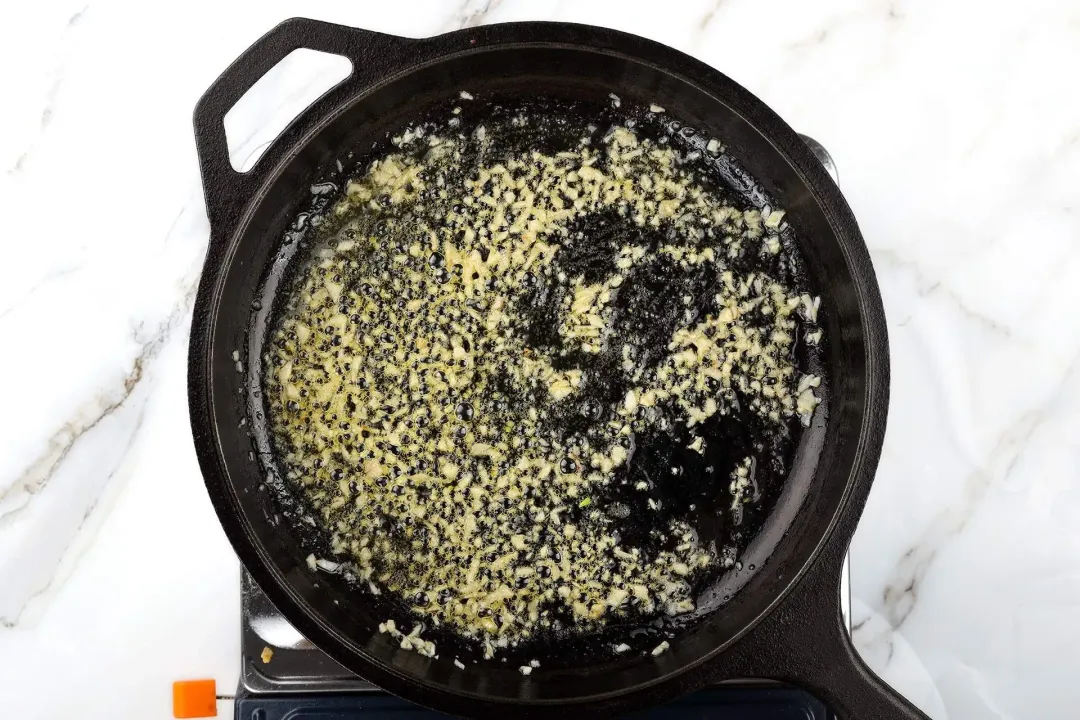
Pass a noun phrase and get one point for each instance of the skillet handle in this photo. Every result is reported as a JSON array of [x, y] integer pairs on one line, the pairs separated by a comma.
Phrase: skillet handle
[[373, 56], [805, 642]]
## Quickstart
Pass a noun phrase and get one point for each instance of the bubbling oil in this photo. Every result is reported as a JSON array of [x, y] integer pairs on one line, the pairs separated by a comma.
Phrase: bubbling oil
[[539, 390]]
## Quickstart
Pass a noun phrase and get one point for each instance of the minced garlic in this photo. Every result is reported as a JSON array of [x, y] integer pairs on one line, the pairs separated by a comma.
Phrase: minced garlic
[[423, 424]]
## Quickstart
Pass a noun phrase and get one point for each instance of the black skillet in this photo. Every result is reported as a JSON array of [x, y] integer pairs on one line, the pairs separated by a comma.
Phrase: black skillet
[[784, 620]]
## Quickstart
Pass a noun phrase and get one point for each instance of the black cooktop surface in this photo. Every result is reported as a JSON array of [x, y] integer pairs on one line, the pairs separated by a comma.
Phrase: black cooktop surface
[[300, 682]]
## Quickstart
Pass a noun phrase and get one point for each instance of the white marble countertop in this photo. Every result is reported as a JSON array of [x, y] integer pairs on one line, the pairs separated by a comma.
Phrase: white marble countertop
[[956, 128]]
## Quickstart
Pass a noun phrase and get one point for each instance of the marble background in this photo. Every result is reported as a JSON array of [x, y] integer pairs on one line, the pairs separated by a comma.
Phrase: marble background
[[956, 128]]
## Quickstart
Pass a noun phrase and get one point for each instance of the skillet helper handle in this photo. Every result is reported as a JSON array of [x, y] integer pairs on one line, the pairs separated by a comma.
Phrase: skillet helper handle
[[373, 56], [805, 642]]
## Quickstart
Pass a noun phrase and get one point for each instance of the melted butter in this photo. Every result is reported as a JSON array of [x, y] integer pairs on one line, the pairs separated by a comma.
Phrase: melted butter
[[464, 375]]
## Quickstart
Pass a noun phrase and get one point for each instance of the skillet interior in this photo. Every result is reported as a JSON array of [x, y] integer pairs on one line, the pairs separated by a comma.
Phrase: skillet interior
[[807, 502]]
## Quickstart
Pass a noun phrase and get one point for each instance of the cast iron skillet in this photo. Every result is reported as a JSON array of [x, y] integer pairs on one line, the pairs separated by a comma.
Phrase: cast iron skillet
[[784, 621]]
